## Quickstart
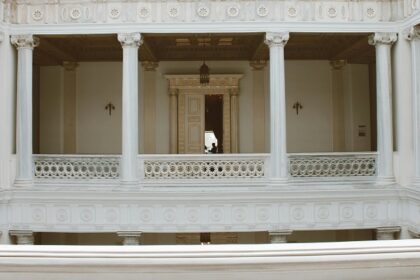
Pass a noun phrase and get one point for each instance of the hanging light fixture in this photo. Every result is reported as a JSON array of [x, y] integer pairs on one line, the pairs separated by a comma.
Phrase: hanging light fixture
[[204, 74], [204, 69]]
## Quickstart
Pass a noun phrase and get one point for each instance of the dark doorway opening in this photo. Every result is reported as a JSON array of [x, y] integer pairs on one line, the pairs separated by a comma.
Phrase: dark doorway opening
[[213, 123]]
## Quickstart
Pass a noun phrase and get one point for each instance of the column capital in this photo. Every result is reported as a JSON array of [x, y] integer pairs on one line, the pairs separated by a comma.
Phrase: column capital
[[25, 41], [273, 39], [130, 39], [338, 64], [382, 38], [257, 64], [412, 33], [173, 91], [234, 91], [150, 65], [70, 65]]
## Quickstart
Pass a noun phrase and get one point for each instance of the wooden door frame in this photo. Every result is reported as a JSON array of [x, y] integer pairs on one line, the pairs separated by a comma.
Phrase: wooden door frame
[[222, 84]]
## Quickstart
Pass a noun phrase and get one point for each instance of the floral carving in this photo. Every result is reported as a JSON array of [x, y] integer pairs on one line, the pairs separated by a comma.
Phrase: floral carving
[[203, 11], [37, 14], [262, 11]]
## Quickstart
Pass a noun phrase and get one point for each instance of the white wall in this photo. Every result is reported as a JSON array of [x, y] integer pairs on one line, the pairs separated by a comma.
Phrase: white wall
[[98, 83], [51, 110], [309, 82]]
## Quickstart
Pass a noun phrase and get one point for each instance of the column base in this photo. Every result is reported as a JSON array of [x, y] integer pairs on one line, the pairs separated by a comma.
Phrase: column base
[[279, 236], [278, 181], [127, 183], [23, 237], [387, 233], [22, 183], [130, 237], [385, 180]]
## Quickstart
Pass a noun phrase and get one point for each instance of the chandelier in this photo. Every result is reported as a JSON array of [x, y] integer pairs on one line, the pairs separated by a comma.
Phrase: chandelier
[[204, 74]]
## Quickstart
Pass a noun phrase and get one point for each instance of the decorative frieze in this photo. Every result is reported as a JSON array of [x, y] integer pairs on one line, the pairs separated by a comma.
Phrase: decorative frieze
[[89, 11]]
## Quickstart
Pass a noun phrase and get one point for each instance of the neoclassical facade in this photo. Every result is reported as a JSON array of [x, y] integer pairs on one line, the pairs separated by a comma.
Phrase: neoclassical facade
[[103, 119]]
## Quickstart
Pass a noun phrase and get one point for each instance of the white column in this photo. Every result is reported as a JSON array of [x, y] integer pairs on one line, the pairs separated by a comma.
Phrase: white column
[[414, 36], [278, 152], [339, 135], [69, 110], [383, 43], [234, 116], [25, 45], [130, 137]]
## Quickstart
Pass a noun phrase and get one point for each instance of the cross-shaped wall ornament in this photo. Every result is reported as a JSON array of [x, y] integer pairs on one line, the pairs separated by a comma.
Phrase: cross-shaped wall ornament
[[297, 106], [110, 107]]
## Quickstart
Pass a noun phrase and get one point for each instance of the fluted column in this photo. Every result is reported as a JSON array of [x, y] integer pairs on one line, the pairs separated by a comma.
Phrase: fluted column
[[25, 45], [383, 43], [130, 135], [413, 34], [278, 152], [173, 95]]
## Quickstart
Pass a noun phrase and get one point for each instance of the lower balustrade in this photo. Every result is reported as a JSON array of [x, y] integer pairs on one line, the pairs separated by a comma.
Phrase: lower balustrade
[[216, 168]]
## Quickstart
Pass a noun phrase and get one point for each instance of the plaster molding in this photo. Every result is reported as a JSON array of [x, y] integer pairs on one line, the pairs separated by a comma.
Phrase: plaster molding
[[26, 41], [382, 38], [192, 82], [273, 39], [131, 40]]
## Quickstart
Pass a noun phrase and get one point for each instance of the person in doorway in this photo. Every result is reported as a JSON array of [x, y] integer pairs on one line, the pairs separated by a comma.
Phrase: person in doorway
[[213, 148]]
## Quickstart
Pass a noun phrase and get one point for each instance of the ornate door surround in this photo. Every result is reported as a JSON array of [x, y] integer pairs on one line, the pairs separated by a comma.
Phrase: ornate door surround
[[221, 84]]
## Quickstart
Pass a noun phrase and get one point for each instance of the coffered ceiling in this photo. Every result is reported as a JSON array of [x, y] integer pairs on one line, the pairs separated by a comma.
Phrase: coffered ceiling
[[53, 50]]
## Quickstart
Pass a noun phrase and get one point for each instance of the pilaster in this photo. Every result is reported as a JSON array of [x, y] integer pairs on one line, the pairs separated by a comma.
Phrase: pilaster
[[383, 43], [387, 233], [130, 238], [278, 153], [149, 106], [259, 104], [413, 35], [173, 96], [69, 106], [337, 67], [23, 237], [279, 236], [25, 45], [234, 120], [130, 43]]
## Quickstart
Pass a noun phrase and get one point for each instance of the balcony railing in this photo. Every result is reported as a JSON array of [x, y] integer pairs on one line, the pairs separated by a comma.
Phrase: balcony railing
[[76, 167], [217, 168], [332, 165], [199, 167]]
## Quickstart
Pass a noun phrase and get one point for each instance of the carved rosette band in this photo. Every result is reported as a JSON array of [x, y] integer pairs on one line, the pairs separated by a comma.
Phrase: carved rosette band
[[27, 41], [276, 39], [412, 33], [133, 40], [382, 38]]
